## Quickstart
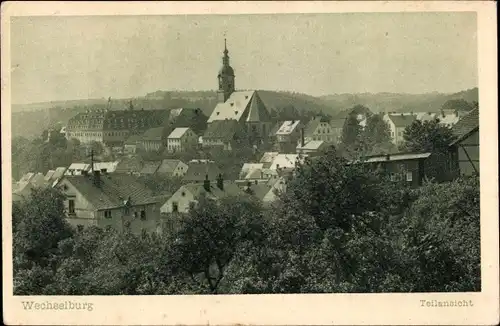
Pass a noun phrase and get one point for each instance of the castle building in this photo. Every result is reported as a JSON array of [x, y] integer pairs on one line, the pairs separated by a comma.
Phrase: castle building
[[246, 107], [112, 127]]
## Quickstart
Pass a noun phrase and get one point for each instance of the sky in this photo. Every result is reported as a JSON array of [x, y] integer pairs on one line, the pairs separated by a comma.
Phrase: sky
[[63, 58]]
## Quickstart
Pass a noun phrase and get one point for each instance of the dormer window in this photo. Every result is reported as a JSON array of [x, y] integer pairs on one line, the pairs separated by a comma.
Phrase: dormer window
[[232, 104], [246, 97], [218, 113], [236, 112]]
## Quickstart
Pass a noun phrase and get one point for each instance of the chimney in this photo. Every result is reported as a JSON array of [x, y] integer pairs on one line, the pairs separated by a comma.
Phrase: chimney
[[97, 178], [220, 182], [302, 140], [206, 183]]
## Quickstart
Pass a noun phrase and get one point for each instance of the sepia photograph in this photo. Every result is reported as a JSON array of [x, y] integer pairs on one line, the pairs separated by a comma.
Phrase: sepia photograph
[[212, 154]]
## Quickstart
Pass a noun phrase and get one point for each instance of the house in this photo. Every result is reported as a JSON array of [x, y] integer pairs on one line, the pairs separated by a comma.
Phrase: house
[[319, 128], [192, 118], [276, 187], [464, 150], [77, 169], [257, 190], [172, 168], [116, 201], [181, 139], [152, 139], [337, 127], [131, 144], [27, 177], [312, 147], [129, 165], [150, 167], [108, 167], [407, 168], [198, 171], [397, 125], [448, 120], [49, 175], [285, 161], [21, 190], [188, 195], [225, 134], [53, 175], [251, 171], [288, 135], [268, 158]]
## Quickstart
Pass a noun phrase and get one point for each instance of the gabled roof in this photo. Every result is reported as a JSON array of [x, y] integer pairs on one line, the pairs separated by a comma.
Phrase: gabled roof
[[247, 167], [222, 129], [394, 157], [288, 127], [168, 166], [38, 180], [178, 133], [198, 171], [311, 145], [49, 174], [150, 167], [257, 111], [109, 166], [59, 172], [254, 174], [113, 191], [27, 177], [132, 140], [259, 190], [402, 120], [78, 166], [268, 157], [129, 165], [284, 161], [466, 125], [337, 123], [311, 127], [153, 134], [233, 108]]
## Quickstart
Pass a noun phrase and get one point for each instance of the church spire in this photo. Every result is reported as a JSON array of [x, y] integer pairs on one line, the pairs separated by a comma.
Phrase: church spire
[[225, 77]]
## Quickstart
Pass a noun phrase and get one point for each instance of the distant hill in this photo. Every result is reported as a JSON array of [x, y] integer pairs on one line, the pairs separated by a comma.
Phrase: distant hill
[[396, 102], [30, 120]]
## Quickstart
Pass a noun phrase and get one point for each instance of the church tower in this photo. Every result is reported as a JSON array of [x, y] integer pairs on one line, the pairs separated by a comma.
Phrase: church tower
[[225, 77]]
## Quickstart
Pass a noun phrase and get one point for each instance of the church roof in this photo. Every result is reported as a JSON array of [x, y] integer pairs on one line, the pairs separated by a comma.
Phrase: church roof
[[224, 129], [226, 70], [233, 108], [258, 111]]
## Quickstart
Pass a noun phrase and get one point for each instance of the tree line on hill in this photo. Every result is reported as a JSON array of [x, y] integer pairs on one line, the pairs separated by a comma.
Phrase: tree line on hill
[[338, 228]]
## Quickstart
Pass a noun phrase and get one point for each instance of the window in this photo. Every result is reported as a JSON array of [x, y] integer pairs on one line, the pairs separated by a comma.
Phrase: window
[[143, 215], [71, 206], [107, 214], [393, 176], [183, 194], [400, 134], [79, 227], [175, 207], [127, 211], [135, 215], [409, 176], [217, 113]]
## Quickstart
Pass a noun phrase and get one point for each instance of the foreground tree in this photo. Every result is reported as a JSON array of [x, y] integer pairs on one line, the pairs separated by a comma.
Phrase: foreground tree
[[377, 136]]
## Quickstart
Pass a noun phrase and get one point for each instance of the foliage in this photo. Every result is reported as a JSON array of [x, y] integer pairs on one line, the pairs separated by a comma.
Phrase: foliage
[[338, 227], [376, 136], [351, 140]]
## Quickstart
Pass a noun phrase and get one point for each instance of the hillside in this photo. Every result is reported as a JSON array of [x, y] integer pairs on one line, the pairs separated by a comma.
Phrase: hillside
[[30, 120], [395, 102]]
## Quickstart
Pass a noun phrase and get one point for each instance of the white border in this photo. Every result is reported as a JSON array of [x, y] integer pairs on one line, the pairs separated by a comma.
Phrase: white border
[[313, 309]]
